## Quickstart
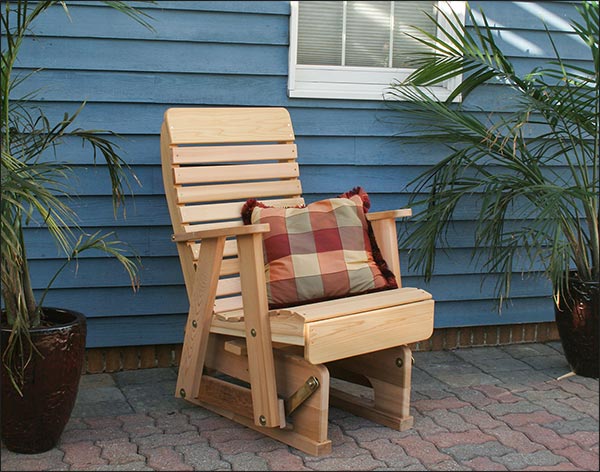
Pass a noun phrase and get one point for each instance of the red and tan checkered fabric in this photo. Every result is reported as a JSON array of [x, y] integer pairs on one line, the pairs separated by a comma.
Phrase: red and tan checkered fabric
[[318, 252]]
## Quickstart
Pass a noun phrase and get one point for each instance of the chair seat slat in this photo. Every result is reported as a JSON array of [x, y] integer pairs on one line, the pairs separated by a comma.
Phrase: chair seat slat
[[359, 303], [228, 304]]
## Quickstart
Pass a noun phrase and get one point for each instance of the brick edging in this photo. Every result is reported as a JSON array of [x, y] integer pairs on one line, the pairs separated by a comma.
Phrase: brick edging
[[115, 359]]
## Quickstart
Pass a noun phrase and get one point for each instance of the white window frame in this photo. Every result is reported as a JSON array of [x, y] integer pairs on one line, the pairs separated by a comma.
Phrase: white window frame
[[354, 83]]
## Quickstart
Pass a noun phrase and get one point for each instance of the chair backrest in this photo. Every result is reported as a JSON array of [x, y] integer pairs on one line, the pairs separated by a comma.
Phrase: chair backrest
[[213, 160]]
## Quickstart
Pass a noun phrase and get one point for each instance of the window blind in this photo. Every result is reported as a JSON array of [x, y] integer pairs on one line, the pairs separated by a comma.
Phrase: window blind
[[360, 33], [320, 32]]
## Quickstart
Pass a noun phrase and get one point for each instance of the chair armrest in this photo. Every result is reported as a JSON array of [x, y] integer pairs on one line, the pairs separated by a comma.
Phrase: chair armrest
[[384, 215], [220, 232], [384, 228]]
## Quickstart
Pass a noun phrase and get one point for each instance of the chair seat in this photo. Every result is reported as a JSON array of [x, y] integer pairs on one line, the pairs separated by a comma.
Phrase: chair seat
[[357, 304], [340, 328]]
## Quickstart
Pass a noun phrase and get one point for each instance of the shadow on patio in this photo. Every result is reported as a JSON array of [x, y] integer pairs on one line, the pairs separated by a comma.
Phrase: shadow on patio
[[485, 408]]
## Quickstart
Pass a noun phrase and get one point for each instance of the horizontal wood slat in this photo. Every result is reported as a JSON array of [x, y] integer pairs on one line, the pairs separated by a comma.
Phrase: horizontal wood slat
[[227, 211], [285, 328], [352, 335], [227, 231], [229, 251], [230, 267], [214, 212], [215, 193], [235, 173], [212, 226], [380, 215], [235, 315], [228, 125], [359, 303], [256, 152], [228, 304], [220, 393], [230, 286]]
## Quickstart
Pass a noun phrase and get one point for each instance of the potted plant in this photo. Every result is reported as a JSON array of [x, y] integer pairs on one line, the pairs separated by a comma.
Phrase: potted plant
[[536, 162], [42, 347]]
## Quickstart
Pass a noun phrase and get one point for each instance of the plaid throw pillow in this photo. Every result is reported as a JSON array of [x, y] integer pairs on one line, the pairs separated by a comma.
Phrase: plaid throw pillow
[[321, 251]]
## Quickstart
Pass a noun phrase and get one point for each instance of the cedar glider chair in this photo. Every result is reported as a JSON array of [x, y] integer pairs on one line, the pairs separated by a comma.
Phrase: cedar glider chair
[[270, 369]]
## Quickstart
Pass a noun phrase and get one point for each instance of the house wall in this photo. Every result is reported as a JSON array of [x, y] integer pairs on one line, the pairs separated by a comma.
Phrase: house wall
[[223, 53]]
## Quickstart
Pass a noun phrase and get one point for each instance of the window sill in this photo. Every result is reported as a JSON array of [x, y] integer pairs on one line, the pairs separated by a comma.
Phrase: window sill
[[353, 91], [350, 83]]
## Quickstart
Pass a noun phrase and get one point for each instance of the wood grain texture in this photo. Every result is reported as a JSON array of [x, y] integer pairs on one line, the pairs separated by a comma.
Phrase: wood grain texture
[[380, 365], [309, 421], [204, 287], [393, 214], [234, 153], [228, 125], [351, 335], [359, 303], [233, 173], [386, 236], [226, 211], [285, 328], [258, 331], [366, 409], [221, 232], [236, 399], [389, 374], [215, 193]]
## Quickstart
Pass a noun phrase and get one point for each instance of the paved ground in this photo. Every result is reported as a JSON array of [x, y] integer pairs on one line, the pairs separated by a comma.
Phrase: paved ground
[[490, 408]]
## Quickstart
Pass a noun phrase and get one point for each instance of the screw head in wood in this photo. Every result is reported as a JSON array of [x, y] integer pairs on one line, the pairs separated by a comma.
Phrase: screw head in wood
[[312, 383], [194, 323], [262, 420], [253, 332], [182, 393], [399, 362]]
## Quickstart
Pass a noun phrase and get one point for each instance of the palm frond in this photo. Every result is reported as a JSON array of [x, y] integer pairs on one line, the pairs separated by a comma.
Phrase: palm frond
[[35, 190], [536, 164]]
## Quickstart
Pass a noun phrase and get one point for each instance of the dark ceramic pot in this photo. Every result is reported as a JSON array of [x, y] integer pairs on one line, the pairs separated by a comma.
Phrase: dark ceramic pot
[[33, 423], [577, 321]]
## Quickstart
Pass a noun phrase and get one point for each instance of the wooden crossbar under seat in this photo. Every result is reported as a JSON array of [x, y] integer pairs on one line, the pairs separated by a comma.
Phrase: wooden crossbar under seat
[[240, 359]]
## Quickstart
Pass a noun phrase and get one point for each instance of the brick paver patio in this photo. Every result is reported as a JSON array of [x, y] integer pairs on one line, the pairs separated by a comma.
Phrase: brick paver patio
[[487, 408]]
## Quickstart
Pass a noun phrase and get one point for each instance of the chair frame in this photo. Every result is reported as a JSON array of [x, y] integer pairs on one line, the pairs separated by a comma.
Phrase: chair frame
[[270, 370]]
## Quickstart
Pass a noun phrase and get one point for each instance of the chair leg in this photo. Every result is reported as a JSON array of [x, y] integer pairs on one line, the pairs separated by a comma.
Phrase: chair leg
[[305, 429], [389, 373], [204, 288], [258, 331]]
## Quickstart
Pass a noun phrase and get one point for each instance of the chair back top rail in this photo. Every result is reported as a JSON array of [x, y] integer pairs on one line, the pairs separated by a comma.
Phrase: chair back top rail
[[228, 125]]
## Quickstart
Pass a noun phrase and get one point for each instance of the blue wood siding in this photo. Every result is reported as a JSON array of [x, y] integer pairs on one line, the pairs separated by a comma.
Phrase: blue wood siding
[[236, 54]]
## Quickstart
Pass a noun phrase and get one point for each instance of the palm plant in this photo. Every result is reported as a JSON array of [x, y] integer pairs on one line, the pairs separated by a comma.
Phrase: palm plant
[[35, 186], [537, 162]]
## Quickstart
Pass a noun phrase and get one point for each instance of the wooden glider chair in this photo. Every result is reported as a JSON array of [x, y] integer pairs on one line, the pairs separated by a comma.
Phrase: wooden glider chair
[[269, 369]]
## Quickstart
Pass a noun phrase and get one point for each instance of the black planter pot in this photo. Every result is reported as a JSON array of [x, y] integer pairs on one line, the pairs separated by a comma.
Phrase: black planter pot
[[577, 321], [33, 423]]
